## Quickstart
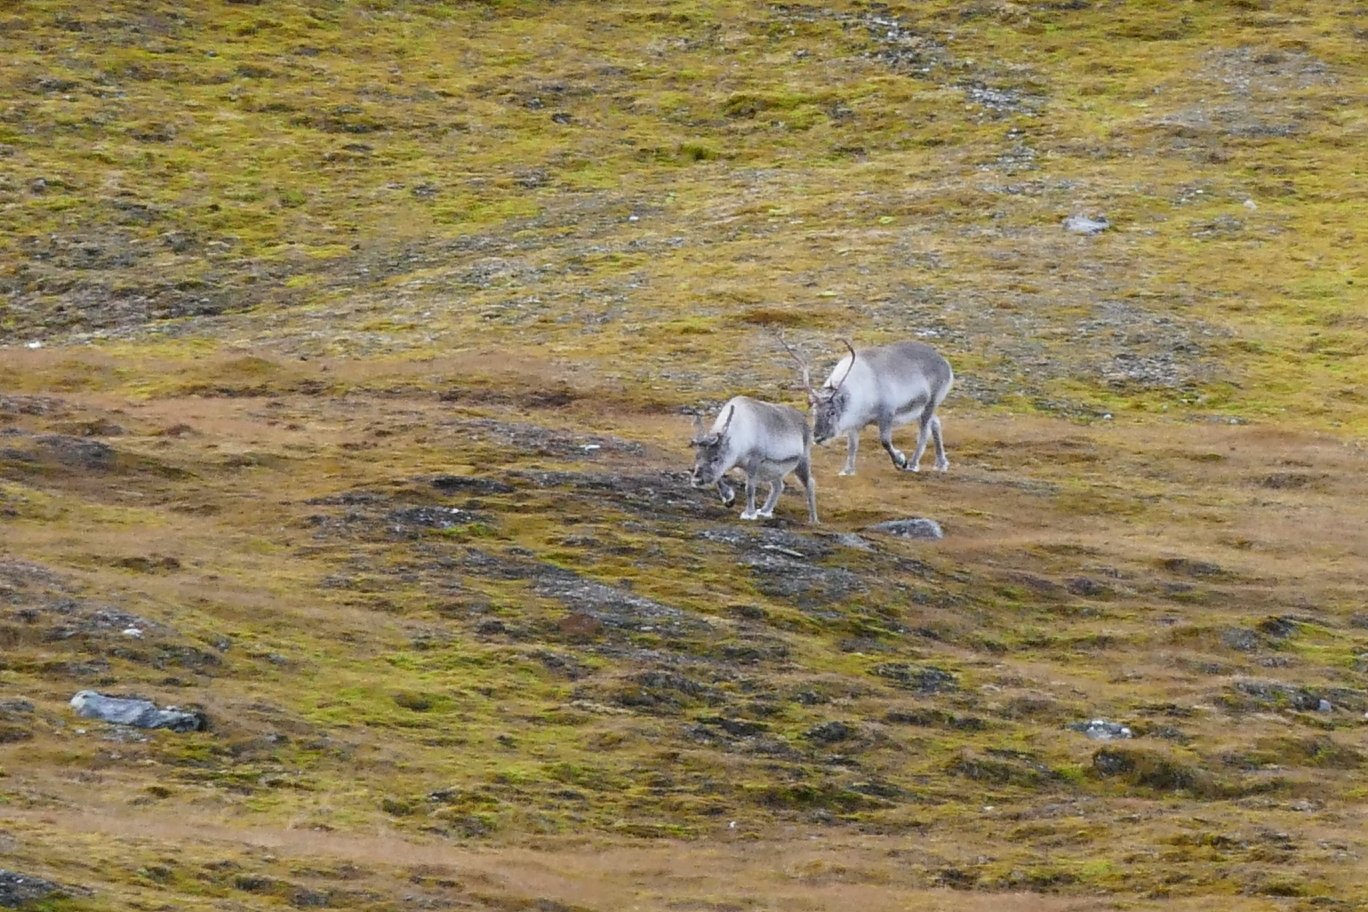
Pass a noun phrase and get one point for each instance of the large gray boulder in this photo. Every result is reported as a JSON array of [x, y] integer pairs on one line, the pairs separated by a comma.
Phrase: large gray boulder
[[140, 713]]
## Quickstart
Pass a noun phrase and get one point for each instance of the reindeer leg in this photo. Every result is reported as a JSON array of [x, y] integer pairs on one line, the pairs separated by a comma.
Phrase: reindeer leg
[[852, 447], [942, 463], [886, 438], [923, 435], [749, 512], [726, 492], [928, 427], [804, 473], [776, 488]]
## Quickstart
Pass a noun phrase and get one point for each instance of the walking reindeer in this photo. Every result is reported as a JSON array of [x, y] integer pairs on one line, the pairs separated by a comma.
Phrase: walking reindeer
[[766, 441], [889, 386]]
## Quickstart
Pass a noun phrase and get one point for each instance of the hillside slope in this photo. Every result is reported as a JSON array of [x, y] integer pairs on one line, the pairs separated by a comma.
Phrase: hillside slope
[[349, 351]]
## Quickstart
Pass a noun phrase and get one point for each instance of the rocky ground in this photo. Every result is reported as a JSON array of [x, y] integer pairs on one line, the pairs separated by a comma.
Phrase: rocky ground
[[349, 358]]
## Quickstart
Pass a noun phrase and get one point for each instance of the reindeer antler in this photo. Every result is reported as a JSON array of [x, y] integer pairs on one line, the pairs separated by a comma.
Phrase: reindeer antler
[[807, 377], [848, 368], [698, 426], [731, 413]]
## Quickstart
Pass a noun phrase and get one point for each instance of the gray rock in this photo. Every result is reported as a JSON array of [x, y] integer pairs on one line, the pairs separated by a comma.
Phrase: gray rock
[[1278, 695], [1325, 706], [916, 527], [851, 540], [1280, 627], [1169, 733], [924, 679], [471, 484], [1193, 568], [1240, 639], [1082, 224], [808, 586], [18, 890], [1101, 730], [830, 732], [79, 452], [1085, 587], [141, 713], [430, 517]]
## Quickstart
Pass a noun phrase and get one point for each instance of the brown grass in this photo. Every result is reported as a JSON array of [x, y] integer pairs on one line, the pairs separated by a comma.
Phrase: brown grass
[[821, 874]]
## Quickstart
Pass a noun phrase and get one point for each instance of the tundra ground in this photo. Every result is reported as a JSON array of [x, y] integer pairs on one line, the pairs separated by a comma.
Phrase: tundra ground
[[350, 350]]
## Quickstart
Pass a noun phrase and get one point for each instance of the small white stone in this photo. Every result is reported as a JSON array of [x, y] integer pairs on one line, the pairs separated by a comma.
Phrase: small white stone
[[1251, 205], [35, 344], [132, 632]]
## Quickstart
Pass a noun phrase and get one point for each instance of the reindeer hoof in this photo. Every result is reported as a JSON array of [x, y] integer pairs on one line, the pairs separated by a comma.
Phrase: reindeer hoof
[[846, 472], [749, 515], [943, 466], [912, 468]]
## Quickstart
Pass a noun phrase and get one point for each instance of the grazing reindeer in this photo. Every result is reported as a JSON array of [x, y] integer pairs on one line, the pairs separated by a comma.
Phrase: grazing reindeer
[[888, 386], [766, 441]]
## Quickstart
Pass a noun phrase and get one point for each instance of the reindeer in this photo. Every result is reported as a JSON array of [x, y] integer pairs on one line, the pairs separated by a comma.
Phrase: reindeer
[[766, 441], [889, 386]]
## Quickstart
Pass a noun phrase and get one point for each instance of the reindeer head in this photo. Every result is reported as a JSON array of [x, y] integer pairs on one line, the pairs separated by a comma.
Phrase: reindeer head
[[710, 458], [828, 404]]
